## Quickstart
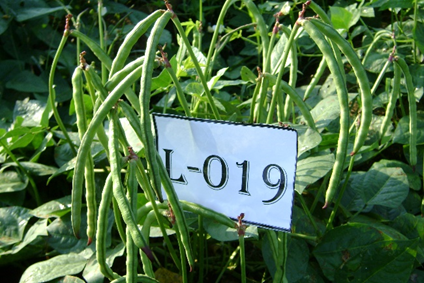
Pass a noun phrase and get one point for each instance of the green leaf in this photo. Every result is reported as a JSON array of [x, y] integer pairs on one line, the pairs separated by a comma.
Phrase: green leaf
[[297, 259], [340, 17], [130, 135], [223, 233], [53, 208], [55, 267], [11, 181], [13, 222], [311, 169], [364, 254], [413, 177], [36, 169], [61, 237], [92, 272], [383, 186], [68, 279], [31, 110], [367, 12], [4, 22], [386, 4], [326, 111], [247, 75], [277, 53], [402, 134], [33, 12], [307, 139], [26, 81], [39, 228], [419, 35]]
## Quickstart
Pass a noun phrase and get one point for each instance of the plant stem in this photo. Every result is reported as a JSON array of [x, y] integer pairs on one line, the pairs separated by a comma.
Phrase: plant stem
[[197, 66], [212, 46], [101, 37], [242, 259], [339, 197], [30, 179], [52, 93]]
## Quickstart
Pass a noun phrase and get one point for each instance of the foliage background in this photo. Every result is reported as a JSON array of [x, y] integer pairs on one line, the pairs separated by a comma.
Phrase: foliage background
[[30, 32]]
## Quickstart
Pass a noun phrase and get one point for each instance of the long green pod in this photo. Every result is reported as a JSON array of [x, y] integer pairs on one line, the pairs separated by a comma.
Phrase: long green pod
[[132, 250], [145, 85], [392, 101], [134, 72], [180, 92], [317, 76], [177, 211], [255, 96], [90, 184], [76, 203], [130, 39], [290, 42], [96, 122], [281, 273], [413, 132], [52, 92], [318, 10], [118, 191], [378, 35], [297, 99], [192, 207], [260, 26], [96, 81], [89, 74], [364, 85], [381, 75], [292, 79], [342, 94], [212, 47], [97, 50], [102, 223], [125, 71], [145, 231], [143, 180]]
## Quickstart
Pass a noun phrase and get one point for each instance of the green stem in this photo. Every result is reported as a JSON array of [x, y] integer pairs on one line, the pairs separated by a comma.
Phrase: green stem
[[52, 93], [31, 181], [212, 46], [101, 38], [260, 25], [339, 197], [230, 259], [308, 213], [201, 256], [197, 66], [277, 88], [242, 259]]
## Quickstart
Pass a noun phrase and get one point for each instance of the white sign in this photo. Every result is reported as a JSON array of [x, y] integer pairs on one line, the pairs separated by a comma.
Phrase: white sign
[[232, 168]]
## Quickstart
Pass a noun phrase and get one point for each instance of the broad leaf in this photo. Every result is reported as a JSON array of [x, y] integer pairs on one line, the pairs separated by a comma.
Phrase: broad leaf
[[311, 169], [53, 208], [13, 222], [39, 228], [223, 233], [26, 81], [382, 186], [402, 134], [11, 181], [365, 254], [55, 267]]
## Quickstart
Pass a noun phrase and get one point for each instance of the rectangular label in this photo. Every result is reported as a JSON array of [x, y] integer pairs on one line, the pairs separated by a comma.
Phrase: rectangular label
[[232, 168]]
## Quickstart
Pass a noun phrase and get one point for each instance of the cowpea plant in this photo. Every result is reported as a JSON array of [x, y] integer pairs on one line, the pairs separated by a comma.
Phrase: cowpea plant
[[369, 227]]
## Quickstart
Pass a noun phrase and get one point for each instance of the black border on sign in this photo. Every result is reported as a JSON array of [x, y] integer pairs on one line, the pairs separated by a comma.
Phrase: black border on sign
[[246, 125]]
